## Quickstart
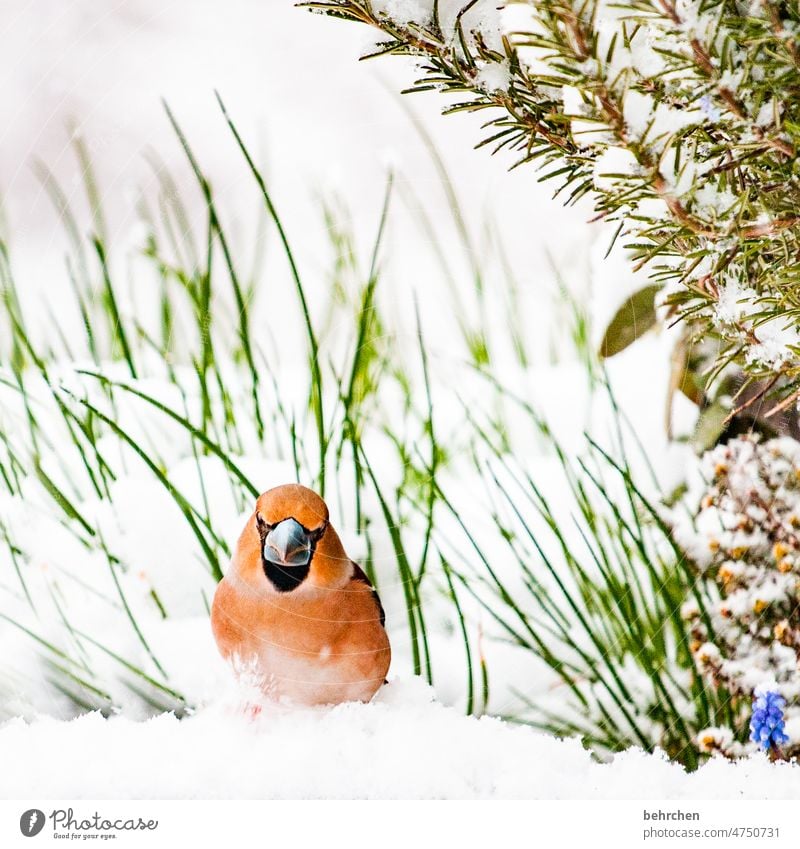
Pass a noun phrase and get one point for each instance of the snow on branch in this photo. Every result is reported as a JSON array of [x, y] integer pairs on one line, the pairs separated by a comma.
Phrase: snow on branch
[[681, 118]]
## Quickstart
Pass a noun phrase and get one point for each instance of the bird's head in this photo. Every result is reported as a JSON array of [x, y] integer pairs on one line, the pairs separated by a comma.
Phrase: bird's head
[[289, 542]]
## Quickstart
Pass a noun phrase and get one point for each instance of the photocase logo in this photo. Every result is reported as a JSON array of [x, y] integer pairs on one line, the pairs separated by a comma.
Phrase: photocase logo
[[31, 822], [65, 823]]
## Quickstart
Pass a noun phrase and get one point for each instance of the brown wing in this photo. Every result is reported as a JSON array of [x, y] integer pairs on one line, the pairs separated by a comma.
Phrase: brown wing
[[360, 575]]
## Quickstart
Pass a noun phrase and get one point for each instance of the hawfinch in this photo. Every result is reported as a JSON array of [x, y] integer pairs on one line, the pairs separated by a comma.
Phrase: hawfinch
[[295, 610]]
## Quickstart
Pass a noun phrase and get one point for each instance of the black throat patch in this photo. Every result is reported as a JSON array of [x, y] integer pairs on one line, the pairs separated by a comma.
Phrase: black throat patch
[[285, 578]]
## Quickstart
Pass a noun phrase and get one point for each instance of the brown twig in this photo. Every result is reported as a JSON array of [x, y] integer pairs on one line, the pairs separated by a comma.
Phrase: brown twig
[[750, 401], [789, 399]]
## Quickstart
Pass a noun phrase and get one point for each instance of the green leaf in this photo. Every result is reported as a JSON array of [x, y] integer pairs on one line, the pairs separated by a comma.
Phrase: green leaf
[[710, 426], [634, 318]]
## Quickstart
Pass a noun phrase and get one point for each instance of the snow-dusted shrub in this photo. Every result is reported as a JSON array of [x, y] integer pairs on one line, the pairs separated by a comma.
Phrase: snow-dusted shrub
[[745, 541], [680, 117]]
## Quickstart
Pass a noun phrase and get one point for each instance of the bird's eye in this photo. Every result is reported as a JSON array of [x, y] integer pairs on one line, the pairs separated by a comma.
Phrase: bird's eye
[[317, 534]]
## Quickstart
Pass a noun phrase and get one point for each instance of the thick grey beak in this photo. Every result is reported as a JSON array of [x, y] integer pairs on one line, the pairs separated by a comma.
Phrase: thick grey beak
[[288, 544]]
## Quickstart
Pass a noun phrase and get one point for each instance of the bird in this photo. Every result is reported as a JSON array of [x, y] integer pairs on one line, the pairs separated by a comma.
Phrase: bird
[[295, 611]]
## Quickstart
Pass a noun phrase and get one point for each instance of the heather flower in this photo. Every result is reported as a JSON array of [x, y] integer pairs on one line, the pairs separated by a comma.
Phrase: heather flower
[[743, 536]]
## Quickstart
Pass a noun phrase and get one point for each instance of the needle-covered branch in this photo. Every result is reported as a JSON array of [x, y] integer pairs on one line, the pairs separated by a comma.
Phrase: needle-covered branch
[[680, 117]]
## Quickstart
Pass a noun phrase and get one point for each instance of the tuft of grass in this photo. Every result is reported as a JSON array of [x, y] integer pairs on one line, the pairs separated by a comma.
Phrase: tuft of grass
[[597, 596], [71, 432]]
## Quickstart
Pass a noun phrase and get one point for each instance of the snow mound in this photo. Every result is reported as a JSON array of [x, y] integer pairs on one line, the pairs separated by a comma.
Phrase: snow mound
[[404, 745]]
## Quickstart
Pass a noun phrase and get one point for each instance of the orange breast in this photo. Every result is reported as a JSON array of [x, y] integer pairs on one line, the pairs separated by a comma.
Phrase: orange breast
[[316, 645]]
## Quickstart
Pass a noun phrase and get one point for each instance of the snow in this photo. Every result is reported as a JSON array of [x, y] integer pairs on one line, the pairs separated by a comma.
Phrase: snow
[[493, 76], [734, 302], [404, 745], [613, 161], [404, 11], [776, 339]]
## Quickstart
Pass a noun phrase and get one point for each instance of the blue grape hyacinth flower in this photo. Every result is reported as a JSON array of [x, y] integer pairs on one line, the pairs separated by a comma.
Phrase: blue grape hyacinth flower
[[767, 721]]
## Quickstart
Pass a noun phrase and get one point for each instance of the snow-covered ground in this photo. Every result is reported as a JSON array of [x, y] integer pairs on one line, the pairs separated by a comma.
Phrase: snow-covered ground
[[404, 745]]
